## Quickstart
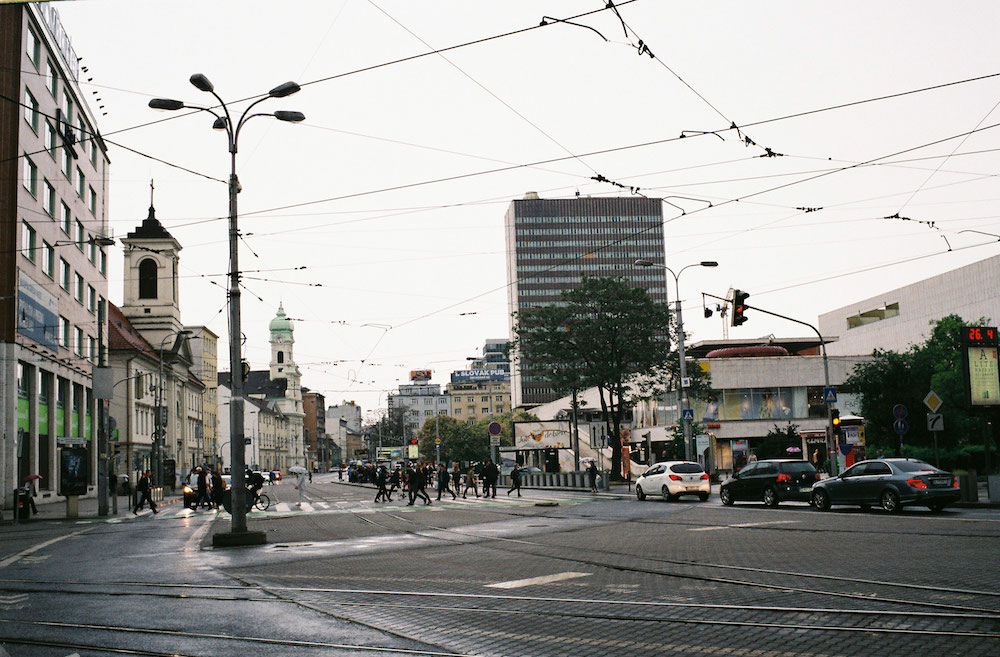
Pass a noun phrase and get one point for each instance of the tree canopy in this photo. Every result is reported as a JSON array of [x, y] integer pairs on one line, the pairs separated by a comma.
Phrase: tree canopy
[[905, 378], [464, 441]]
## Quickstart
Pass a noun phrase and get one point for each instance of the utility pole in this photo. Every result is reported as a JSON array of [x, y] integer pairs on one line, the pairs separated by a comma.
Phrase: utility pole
[[102, 430]]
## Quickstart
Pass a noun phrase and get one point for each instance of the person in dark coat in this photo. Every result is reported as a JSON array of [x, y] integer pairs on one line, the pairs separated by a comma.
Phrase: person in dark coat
[[515, 480], [219, 488], [444, 478], [592, 476], [420, 481], [203, 499], [490, 475], [381, 476], [470, 482], [394, 482], [143, 488]]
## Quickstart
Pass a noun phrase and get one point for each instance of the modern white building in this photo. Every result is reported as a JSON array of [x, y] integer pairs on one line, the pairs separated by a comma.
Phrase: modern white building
[[422, 401], [53, 233], [896, 319]]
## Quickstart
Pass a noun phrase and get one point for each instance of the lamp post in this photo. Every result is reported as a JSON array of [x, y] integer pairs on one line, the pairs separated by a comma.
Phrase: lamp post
[[685, 402], [158, 441], [232, 127]]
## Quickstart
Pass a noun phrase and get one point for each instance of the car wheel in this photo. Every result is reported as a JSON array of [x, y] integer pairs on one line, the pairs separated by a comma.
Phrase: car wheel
[[703, 497], [726, 497], [639, 494], [890, 501], [770, 497], [667, 497], [821, 500]]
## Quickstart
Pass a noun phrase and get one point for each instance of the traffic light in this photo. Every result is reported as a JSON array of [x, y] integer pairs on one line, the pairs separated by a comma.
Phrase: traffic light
[[413, 441], [835, 419], [739, 306]]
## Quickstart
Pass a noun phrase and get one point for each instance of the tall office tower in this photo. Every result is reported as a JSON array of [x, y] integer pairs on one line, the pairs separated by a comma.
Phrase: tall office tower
[[553, 243], [54, 239]]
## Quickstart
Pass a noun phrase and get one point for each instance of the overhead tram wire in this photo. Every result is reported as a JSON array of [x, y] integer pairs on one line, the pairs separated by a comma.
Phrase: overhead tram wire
[[698, 211]]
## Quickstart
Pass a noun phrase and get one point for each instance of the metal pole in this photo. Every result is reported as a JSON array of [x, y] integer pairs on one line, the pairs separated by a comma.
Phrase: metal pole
[[156, 447], [102, 431], [236, 437], [576, 433], [685, 403]]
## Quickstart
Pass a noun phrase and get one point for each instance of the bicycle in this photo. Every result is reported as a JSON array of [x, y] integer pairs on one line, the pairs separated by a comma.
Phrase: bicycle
[[262, 501]]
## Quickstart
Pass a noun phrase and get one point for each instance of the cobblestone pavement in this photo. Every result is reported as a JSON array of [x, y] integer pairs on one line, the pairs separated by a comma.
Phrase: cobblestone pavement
[[615, 576]]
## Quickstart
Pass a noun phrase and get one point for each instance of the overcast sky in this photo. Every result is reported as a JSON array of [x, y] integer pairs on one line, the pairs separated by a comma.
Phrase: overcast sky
[[423, 265]]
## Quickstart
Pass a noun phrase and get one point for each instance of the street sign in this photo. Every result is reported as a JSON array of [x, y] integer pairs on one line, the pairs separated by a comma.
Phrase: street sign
[[687, 414], [686, 382], [899, 412], [935, 422], [437, 441], [830, 395], [494, 441], [932, 401], [495, 429], [900, 426]]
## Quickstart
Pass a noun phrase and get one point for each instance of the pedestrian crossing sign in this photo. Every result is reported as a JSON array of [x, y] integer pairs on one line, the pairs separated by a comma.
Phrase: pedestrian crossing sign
[[830, 395]]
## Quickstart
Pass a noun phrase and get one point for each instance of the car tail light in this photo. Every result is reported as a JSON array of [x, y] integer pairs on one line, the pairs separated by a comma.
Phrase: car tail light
[[917, 483], [674, 477], [954, 482], [704, 475], [783, 477], [817, 476]]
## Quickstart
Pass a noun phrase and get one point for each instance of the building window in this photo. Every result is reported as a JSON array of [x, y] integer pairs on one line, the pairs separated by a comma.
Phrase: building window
[[104, 263], [31, 110], [79, 287], [63, 331], [66, 217], [49, 199], [81, 234], [484, 411], [92, 352], [458, 411], [67, 164], [67, 108], [92, 201], [147, 277], [30, 179], [64, 276], [34, 48], [93, 152], [52, 78], [81, 182], [281, 357], [91, 299], [48, 259], [79, 341], [28, 243], [50, 139], [92, 250]]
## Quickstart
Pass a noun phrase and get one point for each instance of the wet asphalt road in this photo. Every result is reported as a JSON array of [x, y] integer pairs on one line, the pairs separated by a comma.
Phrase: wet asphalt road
[[344, 576]]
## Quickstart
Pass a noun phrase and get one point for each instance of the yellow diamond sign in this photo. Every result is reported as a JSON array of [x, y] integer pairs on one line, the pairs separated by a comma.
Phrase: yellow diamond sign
[[932, 401]]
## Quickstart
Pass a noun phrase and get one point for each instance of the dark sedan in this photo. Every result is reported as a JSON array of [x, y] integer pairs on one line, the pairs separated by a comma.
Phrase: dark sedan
[[889, 483], [772, 481]]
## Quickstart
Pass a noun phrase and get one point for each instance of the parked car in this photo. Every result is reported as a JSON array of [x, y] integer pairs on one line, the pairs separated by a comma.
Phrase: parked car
[[889, 483], [771, 481], [671, 479]]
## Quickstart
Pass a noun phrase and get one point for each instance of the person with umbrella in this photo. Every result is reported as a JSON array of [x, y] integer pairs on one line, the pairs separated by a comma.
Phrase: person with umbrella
[[28, 492], [300, 483]]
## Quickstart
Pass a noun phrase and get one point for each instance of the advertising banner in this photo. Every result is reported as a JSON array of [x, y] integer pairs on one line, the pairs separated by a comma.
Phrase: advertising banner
[[420, 375], [541, 435], [467, 376], [73, 471], [37, 313], [984, 376]]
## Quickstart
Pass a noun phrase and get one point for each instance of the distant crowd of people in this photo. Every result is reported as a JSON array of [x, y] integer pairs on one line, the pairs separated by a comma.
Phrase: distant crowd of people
[[412, 480]]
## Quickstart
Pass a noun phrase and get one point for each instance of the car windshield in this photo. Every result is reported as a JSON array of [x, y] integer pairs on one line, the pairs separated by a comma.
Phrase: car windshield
[[685, 468], [913, 466], [797, 467]]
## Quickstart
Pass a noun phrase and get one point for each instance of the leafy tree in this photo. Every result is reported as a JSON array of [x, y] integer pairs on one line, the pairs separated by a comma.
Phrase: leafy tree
[[777, 441], [905, 378], [391, 425], [607, 335], [462, 441]]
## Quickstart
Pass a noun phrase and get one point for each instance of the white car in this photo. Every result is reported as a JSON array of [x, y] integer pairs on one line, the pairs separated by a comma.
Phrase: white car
[[671, 479]]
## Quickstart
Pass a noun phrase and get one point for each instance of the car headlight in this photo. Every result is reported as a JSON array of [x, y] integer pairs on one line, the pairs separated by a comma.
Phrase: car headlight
[[187, 490]]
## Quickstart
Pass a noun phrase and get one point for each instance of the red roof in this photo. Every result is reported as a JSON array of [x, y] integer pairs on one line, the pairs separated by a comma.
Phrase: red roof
[[122, 336]]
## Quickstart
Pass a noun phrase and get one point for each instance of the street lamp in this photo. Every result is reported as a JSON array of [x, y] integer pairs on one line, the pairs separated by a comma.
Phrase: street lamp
[[685, 403], [225, 121], [158, 441]]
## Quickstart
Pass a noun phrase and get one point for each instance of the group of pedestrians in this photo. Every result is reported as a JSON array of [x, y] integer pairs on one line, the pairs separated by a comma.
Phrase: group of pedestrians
[[413, 480]]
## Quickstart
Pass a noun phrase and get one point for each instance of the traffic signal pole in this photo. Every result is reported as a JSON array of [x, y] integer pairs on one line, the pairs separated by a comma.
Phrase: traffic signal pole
[[830, 447]]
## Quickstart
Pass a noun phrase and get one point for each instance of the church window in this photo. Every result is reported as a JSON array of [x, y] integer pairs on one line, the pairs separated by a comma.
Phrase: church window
[[147, 279], [281, 357]]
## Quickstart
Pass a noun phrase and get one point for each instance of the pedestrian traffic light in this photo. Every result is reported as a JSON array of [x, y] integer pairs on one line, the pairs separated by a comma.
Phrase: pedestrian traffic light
[[835, 420], [413, 441], [739, 307]]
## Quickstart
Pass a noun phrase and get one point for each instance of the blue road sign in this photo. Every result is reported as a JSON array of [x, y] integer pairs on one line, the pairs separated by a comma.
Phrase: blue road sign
[[899, 411], [687, 414], [900, 426], [495, 428], [830, 395]]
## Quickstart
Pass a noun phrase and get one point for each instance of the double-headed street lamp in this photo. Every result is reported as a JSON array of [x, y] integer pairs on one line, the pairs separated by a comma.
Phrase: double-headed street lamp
[[685, 403], [225, 121]]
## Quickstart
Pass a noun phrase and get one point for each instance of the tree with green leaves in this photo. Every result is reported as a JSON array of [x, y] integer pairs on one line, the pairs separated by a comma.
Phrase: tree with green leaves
[[892, 378], [778, 441], [604, 334], [464, 441]]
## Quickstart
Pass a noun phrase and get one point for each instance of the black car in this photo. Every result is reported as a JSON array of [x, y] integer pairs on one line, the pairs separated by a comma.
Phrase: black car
[[771, 481], [889, 483]]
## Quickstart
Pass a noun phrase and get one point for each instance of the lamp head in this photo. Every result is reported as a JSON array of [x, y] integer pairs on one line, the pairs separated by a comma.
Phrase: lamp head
[[219, 124], [202, 83], [290, 116], [284, 89], [166, 104], [643, 262], [709, 263]]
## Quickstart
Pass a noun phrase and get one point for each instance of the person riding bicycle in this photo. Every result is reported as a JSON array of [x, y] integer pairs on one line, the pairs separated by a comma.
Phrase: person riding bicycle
[[255, 481]]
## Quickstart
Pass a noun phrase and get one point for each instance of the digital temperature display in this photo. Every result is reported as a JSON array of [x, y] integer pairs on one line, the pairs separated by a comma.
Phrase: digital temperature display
[[979, 335]]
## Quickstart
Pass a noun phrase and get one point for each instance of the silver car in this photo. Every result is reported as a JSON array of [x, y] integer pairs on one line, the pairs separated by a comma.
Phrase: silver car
[[671, 479]]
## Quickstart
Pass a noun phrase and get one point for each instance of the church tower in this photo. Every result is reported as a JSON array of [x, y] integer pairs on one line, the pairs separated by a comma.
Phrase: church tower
[[283, 366], [151, 300]]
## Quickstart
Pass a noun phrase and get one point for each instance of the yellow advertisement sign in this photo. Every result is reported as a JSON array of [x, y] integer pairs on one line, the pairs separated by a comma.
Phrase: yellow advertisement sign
[[984, 376]]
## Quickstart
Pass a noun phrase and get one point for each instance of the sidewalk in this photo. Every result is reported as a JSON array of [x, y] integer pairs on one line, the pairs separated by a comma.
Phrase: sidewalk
[[87, 507]]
